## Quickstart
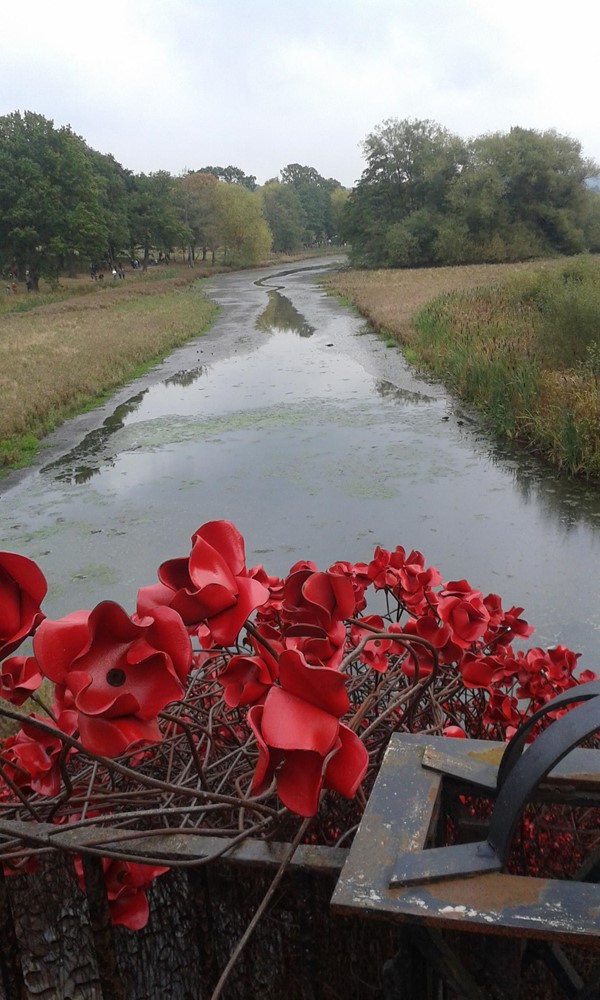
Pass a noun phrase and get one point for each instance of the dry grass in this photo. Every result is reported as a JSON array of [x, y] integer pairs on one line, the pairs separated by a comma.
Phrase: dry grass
[[58, 357], [519, 342], [390, 298]]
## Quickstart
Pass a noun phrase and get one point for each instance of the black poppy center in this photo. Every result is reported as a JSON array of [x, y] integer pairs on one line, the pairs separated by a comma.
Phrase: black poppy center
[[115, 677]]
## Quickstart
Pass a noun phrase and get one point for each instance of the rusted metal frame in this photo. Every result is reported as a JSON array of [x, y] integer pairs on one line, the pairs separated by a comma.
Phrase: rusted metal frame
[[443, 863], [466, 762], [398, 816], [550, 747], [363, 883], [174, 847], [515, 746], [430, 912], [520, 785]]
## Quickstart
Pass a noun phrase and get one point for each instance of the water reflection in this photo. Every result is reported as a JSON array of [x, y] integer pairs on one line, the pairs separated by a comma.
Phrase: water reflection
[[569, 502], [68, 469], [281, 315], [185, 378], [399, 394]]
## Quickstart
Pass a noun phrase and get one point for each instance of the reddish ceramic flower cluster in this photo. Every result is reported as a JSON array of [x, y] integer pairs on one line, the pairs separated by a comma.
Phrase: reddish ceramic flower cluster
[[126, 883], [302, 743], [295, 668]]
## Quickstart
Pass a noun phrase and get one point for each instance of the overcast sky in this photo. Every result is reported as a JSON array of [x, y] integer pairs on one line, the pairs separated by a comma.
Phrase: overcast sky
[[180, 84]]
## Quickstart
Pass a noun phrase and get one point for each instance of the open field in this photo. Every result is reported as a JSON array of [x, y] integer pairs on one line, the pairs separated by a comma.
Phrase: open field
[[389, 298], [61, 352], [521, 342]]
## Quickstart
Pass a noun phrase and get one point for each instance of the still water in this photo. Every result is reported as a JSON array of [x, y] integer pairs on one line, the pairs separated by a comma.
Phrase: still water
[[294, 421]]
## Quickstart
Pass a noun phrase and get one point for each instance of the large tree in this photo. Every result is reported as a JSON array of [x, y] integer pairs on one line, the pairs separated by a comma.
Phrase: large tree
[[154, 219], [242, 230], [426, 197], [196, 197], [115, 185], [314, 192], [231, 175], [283, 211], [50, 199], [540, 178], [393, 214]]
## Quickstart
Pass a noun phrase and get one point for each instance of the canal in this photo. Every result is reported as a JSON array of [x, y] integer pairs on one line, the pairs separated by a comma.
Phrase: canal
[[296, 422]]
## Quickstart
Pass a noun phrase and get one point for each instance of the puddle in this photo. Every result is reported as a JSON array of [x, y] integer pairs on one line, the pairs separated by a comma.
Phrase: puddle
[[280, 315]]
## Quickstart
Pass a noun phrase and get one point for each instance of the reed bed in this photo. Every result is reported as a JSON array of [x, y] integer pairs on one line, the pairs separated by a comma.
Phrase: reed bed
[[519, 342], [62, 351]]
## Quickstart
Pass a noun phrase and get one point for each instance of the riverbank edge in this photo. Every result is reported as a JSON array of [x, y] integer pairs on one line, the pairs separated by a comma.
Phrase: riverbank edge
[[19, 451], [395, 305]]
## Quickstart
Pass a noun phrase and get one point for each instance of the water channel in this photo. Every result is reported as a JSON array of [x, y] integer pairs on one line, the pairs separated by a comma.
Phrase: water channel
[[297, 423]]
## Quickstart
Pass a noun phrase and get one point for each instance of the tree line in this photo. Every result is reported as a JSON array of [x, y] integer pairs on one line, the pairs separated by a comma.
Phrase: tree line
[[65, 207], [428, 197]]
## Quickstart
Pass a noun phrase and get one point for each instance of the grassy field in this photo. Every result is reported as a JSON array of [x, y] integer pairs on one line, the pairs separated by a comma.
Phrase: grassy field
[[521, 342], [62, 351], [390, 299]]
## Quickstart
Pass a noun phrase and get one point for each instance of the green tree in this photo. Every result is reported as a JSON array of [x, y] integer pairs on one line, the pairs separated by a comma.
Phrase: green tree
[[410, 167], [427, 197], [284, 214], [154, 220], [231, 175], [314, 192], [544, 176], [412, 161], [50, 199], [591, 222], [196, 197], [242, 231], [115, 185], [339, 197], [523, 194]]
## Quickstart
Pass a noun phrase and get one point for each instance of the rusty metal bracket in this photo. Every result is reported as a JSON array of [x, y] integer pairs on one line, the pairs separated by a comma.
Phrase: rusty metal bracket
[[423, 776], [517, 782], [515, 747]]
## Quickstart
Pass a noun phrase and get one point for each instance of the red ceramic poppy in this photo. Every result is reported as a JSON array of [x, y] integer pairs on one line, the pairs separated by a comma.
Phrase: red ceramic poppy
[[19, 678], [116, 673], [22, 590], [211, 586]]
